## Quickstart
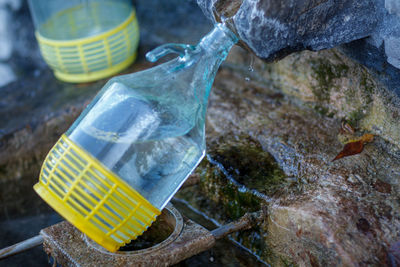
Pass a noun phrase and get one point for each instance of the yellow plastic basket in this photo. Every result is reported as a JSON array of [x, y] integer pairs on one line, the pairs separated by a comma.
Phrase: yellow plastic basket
[[92, 198], [92, 58]]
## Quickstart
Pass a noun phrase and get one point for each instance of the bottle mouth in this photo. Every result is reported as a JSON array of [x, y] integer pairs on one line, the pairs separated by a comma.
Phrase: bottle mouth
[[223, 27]]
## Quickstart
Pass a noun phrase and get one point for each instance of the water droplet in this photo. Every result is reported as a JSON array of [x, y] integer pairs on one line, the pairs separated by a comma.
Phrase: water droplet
[[251, 66]]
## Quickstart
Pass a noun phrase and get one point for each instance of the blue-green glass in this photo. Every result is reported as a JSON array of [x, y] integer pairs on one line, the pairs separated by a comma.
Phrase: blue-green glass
[[148, 127]]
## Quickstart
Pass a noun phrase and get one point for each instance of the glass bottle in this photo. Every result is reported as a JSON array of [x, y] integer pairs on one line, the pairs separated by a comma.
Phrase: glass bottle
[[74, 19], [85, 40], [148, 128]]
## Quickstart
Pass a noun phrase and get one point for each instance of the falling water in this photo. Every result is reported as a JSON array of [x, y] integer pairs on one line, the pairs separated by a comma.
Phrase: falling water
[[251, 67]]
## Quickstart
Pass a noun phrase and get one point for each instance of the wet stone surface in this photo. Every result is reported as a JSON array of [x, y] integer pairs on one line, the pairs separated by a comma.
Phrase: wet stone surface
[[367, 31], [319, 212]]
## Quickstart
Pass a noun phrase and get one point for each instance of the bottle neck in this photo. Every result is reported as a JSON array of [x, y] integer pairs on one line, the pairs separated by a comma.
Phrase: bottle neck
[[219, 41], [214, 48]]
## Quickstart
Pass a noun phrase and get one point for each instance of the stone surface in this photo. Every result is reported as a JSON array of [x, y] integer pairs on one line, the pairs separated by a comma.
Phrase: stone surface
[[334, 86], [18, 51], [272, 29], [393, 6], [379, 51], [5, 40], [7, 74], [375, 60], [320, 212]]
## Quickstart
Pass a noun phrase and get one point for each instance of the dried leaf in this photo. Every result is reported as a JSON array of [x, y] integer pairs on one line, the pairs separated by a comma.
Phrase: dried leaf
[[355, 146], [350, 149]]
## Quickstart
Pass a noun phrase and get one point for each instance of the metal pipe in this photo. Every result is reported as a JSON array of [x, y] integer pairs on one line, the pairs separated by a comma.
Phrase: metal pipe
[[245, 222], [21, 246]]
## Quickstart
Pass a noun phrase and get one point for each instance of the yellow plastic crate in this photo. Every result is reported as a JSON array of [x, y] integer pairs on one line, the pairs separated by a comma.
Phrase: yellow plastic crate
[[92, 198], [92, 58]]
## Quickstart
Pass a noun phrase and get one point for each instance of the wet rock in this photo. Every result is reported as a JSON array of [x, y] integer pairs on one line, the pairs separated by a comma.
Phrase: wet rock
[[394, 254], [333, 85], [392, 48], [12, 4], [374, 59], [319, 212], [5, 38], [389, 32], [8, 9], [274, 29], [7, 74], [393, 6]]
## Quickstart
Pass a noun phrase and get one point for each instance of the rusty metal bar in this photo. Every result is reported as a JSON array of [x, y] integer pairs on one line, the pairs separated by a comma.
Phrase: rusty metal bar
[[245, 222], [21, 246]]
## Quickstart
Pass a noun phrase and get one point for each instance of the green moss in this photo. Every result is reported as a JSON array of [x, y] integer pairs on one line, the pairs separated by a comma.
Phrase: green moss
[[360, 100], [3, 170], [323, 111], [366, 83], [368, 87], [324, 73], [286, 262], [354, 118], [249, 165], [252, 240], [232, 202], [245, 160]]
